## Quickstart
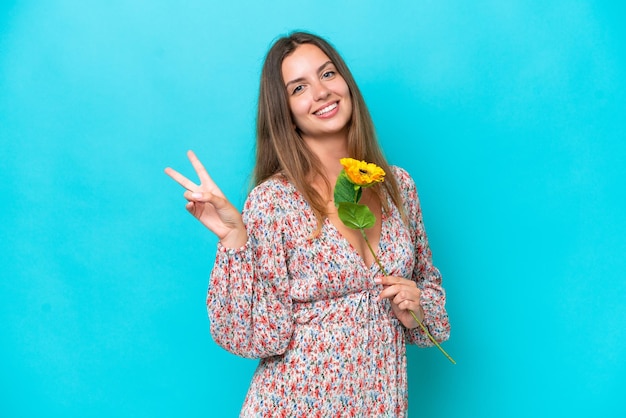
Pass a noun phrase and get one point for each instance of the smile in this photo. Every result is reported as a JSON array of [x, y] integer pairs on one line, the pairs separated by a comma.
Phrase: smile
[[326, 109]]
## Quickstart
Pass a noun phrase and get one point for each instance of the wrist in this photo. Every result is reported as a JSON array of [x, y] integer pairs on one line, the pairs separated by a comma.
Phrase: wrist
[[236, 238]]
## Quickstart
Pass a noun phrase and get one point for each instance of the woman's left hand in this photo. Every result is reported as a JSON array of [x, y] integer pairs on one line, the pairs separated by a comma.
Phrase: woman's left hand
[[404, 296]]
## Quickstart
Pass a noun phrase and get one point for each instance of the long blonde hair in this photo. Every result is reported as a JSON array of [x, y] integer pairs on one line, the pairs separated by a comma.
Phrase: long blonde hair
[[279, 147]]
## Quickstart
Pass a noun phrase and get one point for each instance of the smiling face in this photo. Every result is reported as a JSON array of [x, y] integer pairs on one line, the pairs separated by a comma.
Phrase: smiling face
[[319, 97]]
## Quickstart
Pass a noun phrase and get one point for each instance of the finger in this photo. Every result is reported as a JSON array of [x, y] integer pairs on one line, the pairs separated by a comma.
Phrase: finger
[[404, 307], [195, 208], [204, 197], [180, 179], [393, 280], [398, 293], [218, 202], [404, 298], [389, 292], [409, 305], [203, 175]]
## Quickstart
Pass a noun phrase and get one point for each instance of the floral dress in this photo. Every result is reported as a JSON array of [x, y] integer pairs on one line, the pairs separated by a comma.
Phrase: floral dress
[[307, 307]]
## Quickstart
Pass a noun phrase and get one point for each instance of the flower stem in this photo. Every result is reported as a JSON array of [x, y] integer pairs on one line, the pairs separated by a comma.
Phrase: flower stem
[[373, 253], [420, 323], [423, 327]]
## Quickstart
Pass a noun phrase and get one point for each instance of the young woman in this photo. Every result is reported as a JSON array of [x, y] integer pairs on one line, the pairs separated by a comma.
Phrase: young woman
[[291, 284]]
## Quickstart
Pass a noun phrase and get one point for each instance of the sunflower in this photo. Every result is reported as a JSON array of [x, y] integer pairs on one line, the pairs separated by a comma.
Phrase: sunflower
[[362, 173]]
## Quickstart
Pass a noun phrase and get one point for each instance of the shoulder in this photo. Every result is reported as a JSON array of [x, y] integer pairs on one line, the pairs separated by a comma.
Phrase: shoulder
[[275, 194], [406, 184], [407, 189]]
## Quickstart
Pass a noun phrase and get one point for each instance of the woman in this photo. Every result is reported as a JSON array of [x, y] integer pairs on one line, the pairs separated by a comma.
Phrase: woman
[[291, 284]]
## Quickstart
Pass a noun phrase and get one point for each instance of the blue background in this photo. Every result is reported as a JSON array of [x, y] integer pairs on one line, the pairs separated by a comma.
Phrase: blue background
[[509, 115]]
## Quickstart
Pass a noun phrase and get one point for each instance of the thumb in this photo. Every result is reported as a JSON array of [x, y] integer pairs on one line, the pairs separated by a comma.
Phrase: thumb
[[220, 203], [198, 196]]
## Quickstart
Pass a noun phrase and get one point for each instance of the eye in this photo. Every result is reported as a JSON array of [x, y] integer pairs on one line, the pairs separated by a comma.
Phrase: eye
[[297, 89], [328, 74]]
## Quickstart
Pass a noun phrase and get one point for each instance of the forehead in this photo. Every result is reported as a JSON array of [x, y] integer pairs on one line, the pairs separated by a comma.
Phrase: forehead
[[304, 59]]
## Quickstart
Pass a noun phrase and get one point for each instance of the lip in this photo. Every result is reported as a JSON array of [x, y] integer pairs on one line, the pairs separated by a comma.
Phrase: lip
[[328, 114]]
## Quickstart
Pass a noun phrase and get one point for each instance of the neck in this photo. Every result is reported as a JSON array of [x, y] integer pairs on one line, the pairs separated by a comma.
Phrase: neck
[[329, 151]]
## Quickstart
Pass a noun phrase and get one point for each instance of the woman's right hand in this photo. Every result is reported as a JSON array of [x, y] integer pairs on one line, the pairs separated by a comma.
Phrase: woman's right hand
[[209, 205]]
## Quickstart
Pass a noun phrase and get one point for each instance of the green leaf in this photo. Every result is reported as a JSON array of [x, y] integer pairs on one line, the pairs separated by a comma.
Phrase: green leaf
[[355, 216], [345, 190]]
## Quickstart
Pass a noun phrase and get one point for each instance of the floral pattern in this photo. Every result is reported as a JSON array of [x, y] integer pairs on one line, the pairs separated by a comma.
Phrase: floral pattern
[[307, 307]]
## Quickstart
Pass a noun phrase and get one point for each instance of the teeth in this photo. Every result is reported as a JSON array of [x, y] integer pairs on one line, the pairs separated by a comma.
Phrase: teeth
[[326, 109]]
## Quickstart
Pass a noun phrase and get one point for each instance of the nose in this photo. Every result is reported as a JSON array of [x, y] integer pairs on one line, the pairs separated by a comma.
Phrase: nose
[[320, 91]]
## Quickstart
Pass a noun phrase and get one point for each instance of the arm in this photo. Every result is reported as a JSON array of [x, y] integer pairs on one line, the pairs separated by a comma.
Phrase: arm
[[425, 274], [248, 301]]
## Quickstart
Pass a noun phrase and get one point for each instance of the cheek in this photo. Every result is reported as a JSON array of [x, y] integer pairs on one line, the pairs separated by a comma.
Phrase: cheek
[[342, 87], [298, 107]]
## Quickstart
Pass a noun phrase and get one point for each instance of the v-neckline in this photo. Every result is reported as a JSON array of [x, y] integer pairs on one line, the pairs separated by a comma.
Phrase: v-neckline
[[342, 238], [353, 249]]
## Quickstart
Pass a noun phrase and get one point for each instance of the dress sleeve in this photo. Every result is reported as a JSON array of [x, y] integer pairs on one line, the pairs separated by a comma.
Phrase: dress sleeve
[[425, 274], [248, 300]]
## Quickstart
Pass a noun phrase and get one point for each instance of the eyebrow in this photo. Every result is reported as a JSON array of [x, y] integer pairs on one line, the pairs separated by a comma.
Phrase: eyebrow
[[320, 68]]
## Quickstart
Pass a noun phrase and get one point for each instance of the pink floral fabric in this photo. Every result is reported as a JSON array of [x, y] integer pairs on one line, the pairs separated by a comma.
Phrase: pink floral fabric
[[307, 308]]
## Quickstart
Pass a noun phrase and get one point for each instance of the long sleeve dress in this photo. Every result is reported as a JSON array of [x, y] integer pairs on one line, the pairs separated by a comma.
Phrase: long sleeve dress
[[307, 307]]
